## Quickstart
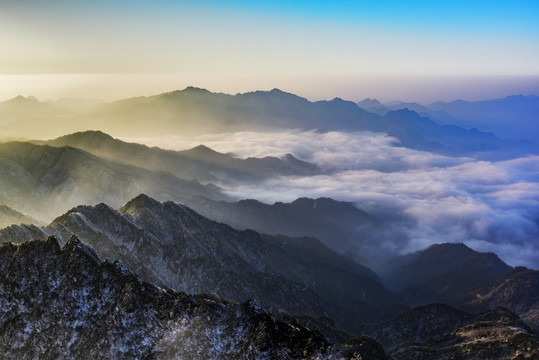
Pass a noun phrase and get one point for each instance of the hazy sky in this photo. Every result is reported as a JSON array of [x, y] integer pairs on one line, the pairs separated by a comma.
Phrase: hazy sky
[[412, 50]]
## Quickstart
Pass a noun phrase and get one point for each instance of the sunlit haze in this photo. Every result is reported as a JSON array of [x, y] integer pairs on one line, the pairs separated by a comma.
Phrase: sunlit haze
[[320, 50]]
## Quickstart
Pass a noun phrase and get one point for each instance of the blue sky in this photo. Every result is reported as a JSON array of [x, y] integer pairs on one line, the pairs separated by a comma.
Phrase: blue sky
[[250, 44]]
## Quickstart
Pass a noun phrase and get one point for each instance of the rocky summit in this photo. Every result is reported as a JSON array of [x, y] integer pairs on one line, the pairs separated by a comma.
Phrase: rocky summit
[[65, 303]]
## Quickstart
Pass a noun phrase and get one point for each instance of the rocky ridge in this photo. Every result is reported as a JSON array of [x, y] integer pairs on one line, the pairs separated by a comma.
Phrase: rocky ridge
[[66, 303], [171, 245]]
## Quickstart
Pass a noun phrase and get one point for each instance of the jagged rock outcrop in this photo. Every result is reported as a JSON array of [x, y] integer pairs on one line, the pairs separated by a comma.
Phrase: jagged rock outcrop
[[65, 303]]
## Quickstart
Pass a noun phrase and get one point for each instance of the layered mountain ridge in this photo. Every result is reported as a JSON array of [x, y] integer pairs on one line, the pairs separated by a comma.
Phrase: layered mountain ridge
[[170, 244], [200, 163], [37, 177], [196, 111]]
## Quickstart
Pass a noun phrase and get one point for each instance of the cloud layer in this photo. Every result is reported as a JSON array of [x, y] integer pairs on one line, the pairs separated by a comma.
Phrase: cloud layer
[[427, 198]]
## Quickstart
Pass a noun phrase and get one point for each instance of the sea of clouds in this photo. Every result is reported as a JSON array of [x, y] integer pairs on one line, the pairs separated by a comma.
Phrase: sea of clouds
[[426, 198]]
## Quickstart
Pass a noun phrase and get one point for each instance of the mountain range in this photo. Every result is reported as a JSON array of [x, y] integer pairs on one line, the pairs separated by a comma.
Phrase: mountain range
[[198, 111], [92, 167], [497, 115], [43, 181], [191, 271], [171, 245], [69, 298], [9, 216], [200, 163]]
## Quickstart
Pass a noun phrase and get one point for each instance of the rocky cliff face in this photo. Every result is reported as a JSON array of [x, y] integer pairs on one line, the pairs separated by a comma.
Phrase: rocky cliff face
[[65, 303]]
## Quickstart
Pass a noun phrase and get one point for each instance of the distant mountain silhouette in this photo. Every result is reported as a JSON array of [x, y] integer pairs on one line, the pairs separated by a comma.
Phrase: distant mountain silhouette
[[498, 115], [198, 111], [442, 273]]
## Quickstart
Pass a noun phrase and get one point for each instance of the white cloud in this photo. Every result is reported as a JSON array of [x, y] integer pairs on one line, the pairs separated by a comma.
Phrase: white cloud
[[430, 198]]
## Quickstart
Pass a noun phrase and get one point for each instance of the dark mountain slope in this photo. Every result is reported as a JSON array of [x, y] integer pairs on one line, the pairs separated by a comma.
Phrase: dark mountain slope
[[37, 177], [438, 331], [339, 225], [429, 322], [442, 273], [66, 303], [200, 163], [495, 334], [169, 244], [517, 290]]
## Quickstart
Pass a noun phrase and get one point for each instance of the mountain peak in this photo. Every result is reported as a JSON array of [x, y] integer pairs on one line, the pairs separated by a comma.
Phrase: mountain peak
[[194, 89], [89, 135], [74, 248], [19, 99], [203, 149], [140, 203], [369, 101]]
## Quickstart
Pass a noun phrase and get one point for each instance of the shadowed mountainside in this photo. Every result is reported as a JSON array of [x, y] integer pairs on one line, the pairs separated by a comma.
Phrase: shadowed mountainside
[[38, 177], [169, 244], [340, 225], [442, 273], [66, 303], [200, 163], [516, 290]]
